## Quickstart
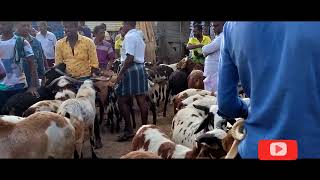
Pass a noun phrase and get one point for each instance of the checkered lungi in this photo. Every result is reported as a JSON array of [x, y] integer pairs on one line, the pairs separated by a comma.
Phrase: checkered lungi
[[134, 81]]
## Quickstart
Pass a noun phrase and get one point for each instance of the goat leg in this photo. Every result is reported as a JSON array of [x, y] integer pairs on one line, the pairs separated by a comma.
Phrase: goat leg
[[166, 102], [98, 143], [132, 114], [154, 112]]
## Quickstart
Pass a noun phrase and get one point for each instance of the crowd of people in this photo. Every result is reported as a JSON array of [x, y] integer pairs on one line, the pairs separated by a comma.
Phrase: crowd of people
[[275, 62], [25, 58]]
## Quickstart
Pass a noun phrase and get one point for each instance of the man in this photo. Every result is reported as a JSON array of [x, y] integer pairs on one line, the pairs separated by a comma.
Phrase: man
[[84, 29], [56, 28], [276, 63], [104, 49], [107, 35], [23, 30], [13, 51], [212, 53], [132, 79], [33, 32], [118, 43], [196, 43], [48, 41], [77, 52]]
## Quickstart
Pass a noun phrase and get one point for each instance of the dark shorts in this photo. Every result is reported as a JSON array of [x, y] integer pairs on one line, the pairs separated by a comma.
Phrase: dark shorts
[[134, 81]]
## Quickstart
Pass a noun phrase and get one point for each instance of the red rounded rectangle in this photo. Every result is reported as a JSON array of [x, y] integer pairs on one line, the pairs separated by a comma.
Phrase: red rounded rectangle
[[278, 150]]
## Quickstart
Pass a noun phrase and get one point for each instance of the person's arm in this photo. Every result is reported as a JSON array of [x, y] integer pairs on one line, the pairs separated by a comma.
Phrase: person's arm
[[191, 46], [110, 58], [230, 105], [130, 45], [117, 48], [213, 47], [41, 64], [29, 55], [127, 63], [54, 41], [117, 53], [58, 53], [93, 58]]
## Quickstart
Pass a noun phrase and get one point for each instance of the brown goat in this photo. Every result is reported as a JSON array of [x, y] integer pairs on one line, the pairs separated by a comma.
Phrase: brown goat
[[41, 135], [195, 79]]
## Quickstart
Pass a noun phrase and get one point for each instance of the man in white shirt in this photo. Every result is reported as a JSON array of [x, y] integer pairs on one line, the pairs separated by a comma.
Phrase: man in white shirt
[[48, 41], [212, 53], [132, 80], [13, 51]]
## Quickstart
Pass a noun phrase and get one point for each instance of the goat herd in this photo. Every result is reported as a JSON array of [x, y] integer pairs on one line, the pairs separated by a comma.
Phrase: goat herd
[[58, 122]]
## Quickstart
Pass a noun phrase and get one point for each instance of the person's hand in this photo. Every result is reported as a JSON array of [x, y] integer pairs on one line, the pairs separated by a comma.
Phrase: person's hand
[[43, 81], [33, 91], [200, 45]]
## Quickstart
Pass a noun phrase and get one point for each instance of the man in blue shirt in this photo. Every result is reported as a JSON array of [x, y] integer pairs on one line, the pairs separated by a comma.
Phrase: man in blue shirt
[[23, 29], [84, 29], [278, 66]]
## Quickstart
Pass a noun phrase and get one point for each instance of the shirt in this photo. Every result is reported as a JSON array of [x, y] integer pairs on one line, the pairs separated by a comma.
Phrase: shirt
[[47, 42], [38, 58], [85, 31], [212, 51], [56, 28], [134, 45], [14, 72], [194, 41], [105, 53], [118, 44], [84, 58], [278, 66], [118, 36]]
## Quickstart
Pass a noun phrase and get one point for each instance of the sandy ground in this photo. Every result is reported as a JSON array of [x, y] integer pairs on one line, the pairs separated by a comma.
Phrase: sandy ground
[[113, 149]]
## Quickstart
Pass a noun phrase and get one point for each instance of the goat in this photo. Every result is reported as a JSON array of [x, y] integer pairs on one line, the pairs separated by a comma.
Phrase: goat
[[187, 93], [205, 100], [188, 123], [41, 135], [152, 139], [195, 80], [49, 105], [19, 103], [82, 108]]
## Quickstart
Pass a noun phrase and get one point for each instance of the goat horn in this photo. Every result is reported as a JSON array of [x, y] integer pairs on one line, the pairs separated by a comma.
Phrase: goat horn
[[236, 130], [73, 80], [54, 81], [238, 136]]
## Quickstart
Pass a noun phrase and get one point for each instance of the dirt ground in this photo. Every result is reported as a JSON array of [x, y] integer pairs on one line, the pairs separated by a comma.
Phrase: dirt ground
[[113, 150]]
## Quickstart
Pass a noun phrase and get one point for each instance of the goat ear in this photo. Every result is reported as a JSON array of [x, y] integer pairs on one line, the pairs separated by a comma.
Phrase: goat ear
[[208, 139], [231, 121], [202, 108], [204, 124], [67, 115], [28, 112]]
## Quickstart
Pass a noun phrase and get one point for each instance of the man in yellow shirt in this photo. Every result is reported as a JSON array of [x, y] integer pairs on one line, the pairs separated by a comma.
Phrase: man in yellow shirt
[[196, 43], [118, 44], [77, 52]]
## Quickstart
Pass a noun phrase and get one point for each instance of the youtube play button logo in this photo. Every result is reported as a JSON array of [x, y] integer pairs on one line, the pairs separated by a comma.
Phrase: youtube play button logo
[[278, 150]]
